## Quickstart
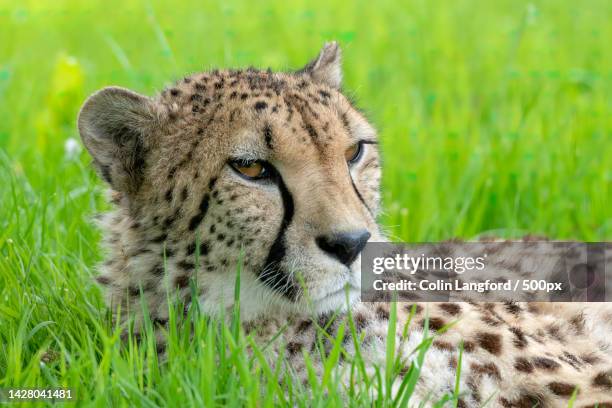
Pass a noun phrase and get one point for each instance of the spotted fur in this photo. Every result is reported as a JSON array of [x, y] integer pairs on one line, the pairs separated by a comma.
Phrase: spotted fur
[[183, 214]]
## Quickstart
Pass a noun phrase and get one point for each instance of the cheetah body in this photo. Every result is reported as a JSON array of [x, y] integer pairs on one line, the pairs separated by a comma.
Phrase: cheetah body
[[183, 214]]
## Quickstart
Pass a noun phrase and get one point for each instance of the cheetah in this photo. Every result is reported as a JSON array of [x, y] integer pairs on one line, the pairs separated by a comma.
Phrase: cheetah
[[282, 168]]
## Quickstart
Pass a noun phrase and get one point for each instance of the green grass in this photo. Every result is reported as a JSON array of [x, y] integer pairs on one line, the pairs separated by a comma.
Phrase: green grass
[[494, 117]]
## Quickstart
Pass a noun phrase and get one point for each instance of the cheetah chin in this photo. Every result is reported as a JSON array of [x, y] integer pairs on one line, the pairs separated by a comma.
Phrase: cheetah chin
[[279, 172]]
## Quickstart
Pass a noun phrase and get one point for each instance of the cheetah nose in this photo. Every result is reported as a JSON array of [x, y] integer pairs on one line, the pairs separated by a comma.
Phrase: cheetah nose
[[344, 246]]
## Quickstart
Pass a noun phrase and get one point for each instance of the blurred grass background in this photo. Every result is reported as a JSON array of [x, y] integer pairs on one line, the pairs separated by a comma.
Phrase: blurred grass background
[[494, 118]]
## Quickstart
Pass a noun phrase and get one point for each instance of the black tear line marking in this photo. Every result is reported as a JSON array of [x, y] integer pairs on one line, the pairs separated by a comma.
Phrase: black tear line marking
[[361, 197], [276, 278]]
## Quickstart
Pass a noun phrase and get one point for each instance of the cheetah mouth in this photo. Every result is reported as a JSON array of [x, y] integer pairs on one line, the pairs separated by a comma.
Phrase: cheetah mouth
[[352, 289]]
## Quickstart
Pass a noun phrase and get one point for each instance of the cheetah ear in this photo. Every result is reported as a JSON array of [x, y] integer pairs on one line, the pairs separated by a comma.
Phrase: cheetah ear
[[114, 124], [327, 67]]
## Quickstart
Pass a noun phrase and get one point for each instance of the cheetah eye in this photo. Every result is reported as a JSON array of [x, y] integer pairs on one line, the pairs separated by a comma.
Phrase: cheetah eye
[[250, 169], [353, 153]]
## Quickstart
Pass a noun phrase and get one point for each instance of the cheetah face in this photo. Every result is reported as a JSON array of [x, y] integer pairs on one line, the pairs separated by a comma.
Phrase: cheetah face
[[277, 172]]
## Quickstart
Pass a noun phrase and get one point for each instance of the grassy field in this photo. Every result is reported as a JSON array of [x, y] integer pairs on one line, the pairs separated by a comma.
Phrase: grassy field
[[494, 117]]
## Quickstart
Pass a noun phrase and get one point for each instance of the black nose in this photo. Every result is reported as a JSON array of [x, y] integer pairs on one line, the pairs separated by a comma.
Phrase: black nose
[[344, 246]]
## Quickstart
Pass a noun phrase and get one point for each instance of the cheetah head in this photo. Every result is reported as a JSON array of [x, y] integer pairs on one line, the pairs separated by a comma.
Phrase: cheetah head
[[275, 171]]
